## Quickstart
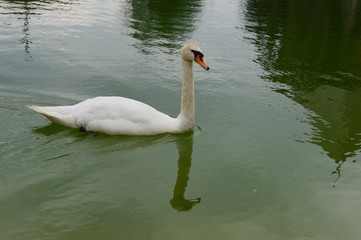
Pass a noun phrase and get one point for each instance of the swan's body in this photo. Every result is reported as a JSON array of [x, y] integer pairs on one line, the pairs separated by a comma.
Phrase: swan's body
[[124, 116], [112, 115]]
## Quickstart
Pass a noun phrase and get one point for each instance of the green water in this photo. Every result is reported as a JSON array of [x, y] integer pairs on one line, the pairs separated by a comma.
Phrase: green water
[[276, 150]]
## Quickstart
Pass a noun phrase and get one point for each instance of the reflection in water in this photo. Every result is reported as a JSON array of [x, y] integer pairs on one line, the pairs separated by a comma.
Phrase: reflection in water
[[178, 202], [25, 40], [106, 144], [27, 9], [24, 8], [313, 49], [160, 23]]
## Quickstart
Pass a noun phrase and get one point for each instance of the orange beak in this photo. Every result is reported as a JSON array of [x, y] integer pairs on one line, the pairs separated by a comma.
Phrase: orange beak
[[201, 62]]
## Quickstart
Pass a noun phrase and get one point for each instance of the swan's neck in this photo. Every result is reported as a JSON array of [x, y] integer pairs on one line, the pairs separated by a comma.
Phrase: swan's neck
[[187, 114]]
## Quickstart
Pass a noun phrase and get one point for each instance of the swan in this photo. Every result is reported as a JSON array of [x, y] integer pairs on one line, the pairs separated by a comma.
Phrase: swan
[[124, 116]]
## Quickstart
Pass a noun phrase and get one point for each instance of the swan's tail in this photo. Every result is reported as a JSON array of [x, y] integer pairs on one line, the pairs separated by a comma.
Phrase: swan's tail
[[37, 109], [52, 113]]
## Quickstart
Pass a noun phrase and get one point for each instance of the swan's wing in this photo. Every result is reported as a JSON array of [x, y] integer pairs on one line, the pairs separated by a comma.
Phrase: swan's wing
[[111, 115], [117, 115]]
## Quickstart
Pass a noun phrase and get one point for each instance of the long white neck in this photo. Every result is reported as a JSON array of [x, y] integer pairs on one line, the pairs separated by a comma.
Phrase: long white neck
[[187, 115]]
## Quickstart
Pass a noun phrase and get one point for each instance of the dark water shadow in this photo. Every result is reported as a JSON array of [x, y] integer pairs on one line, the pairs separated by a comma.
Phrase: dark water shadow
[[160, 24], [312, 52], [50, 129]]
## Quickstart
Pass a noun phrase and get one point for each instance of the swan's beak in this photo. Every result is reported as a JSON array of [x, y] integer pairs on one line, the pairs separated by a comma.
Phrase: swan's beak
[[201, 62]]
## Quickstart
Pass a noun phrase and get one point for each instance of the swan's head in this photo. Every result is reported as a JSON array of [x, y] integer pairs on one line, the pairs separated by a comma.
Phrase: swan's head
[[191, 52]]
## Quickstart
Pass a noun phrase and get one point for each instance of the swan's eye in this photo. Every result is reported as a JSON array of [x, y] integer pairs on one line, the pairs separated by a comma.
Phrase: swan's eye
[[197, 53]]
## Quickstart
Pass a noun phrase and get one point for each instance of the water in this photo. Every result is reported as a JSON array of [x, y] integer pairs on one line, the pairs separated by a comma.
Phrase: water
[[276, 150]]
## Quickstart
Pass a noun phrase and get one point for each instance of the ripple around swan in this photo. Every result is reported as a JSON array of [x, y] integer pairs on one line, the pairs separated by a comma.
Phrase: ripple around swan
[[47, 136], [100, 143]]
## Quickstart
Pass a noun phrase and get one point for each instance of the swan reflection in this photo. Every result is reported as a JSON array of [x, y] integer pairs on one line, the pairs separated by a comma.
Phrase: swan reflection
[[108, 144], [179, 202]]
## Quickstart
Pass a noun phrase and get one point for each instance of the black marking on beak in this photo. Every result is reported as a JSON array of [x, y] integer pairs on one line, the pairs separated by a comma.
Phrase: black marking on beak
[[196, 53]]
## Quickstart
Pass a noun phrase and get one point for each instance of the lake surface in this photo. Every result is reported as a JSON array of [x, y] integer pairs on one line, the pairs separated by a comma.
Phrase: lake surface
[[275, 153]]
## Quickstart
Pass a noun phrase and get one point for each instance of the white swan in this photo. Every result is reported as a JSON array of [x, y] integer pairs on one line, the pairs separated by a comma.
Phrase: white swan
[[124, 116]]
